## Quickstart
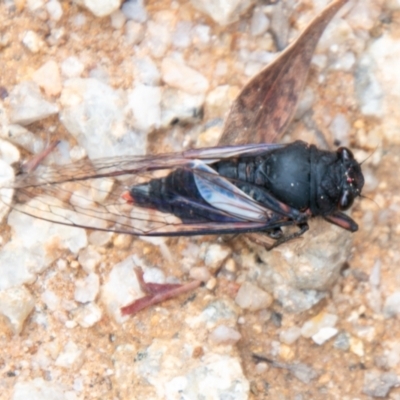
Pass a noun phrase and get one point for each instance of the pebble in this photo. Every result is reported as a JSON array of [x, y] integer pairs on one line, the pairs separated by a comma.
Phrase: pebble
[[340, 129], [38, 389], [87, 289], [157, 38], [6, 192], [51, 299], [118, 19], [48, 78], [224, 335], [134, 10], [391, 307], [252, 298], [342, 341], [87, 315], [357, 346], [320, 321], [16, 303], [379, 384], [134, 32], [32, 41], [290, 335], [54, 9], [144, 102], [173, 377], [122, 241], [121, 287], [8, 153], [200, 273], [100, 8], [324, 334], [218, 100], [146, 71], [72, 67], [24, 138], [176, 74], [259, 23], [368, 89], [100, 137], [215, 255], [178, 107], [89, 259], [221, 11], [181, 37], [100, 238], [27, 104], [71, 356]]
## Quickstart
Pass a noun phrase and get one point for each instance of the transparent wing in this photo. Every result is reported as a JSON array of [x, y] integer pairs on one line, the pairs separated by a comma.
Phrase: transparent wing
[[91, 194]]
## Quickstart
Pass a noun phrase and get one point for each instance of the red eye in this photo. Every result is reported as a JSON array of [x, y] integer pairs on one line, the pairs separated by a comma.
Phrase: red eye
[[345, 154], [346, 201]]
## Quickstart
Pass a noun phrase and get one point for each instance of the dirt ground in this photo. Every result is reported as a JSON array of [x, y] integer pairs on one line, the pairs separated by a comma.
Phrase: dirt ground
[[358, 297]]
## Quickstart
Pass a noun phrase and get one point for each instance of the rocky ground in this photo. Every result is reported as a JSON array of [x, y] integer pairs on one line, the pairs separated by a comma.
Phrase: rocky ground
[[320, 314]]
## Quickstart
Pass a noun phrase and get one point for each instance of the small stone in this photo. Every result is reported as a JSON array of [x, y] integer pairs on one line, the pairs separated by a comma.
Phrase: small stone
[[51, 300], [54, 9], [48, 78], [221, 11], [378, 384], [121, 287], [224, 335], [200, 273], [178, 75], [100, 8], [135, 10], [342, 341], [28, 105], [340, 129], [290, 335], [252, 297], [87, 315], [37, 389], [146, 71], [16, 303], [144, 104], [71, 356], [87, 289], [83, 100], [117, 19], [100, 238], [215, 255], [324, 334], [181, 38], [9, 153], [357, 346], [122, 241], [71, 67], [21, 136], [32, 41], [259, 22], [391, 307], [219, 100], [134, 32], [178, 107], [314, 325], [89, 259], [211, 284]]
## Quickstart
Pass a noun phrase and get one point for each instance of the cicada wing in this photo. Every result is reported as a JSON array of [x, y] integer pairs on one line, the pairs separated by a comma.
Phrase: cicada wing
[[267, 104], [91, 195]]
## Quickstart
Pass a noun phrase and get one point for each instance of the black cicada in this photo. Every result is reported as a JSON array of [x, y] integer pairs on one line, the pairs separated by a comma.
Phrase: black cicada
[[227, 189]]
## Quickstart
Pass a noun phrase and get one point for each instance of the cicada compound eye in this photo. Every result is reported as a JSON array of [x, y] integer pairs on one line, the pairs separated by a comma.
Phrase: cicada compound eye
[[346, 201]]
